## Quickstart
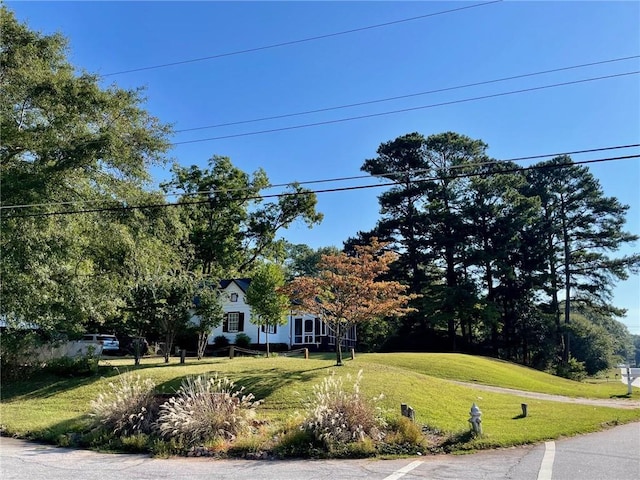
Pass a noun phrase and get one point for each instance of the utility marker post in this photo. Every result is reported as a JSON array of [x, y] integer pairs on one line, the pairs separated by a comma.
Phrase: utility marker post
[[631, 377]]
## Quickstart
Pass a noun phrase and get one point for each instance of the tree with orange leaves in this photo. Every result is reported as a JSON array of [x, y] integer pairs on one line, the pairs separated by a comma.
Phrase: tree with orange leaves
[[348, 291]]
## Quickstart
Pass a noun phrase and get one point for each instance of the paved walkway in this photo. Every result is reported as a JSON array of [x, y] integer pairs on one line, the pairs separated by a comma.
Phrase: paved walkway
[[598, 402]]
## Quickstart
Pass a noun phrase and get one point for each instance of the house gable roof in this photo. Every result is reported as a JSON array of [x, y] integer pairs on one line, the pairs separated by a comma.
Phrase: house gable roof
[[242, 283]]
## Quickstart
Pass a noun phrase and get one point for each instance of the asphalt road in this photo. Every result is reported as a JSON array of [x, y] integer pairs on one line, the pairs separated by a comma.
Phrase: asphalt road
[[613, 454]]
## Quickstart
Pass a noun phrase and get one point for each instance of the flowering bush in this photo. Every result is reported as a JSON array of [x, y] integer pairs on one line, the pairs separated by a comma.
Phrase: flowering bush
[[126, 407], [337, 417], [205, 409]]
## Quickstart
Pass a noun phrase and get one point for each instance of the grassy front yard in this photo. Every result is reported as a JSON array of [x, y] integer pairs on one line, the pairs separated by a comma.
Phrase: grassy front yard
[[50, 407]]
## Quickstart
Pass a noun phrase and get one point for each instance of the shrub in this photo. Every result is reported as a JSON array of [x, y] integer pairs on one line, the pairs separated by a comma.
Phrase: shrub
[[220, 342], [338, 417], [361, 449], [295, 443], [80, 365], [17, 354], [126, 407], [401, 430], [243, 340], [573, 370], [164, 449], [138, 443], [403, 437], [204, 409]]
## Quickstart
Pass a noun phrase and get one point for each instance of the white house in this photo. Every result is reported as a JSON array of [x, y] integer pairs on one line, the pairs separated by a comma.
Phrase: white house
[[301, 330]]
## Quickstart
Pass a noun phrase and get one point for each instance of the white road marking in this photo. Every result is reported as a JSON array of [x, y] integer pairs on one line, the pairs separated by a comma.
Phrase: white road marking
[[546, 468], [403, 471]]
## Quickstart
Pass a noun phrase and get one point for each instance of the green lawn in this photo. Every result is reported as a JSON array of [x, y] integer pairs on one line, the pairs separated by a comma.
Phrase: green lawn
[[488, 371], [47, 407]]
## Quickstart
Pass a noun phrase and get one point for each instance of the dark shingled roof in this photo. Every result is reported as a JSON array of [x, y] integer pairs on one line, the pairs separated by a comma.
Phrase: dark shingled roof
[[243, 283]]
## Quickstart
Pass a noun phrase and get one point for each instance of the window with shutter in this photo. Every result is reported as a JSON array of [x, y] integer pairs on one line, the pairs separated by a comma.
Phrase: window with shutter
[[269, 329], [233, 322]]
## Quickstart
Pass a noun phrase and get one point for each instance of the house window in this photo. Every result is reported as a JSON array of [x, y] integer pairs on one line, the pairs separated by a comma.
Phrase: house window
[[349, 338], [308, 331], [297, 331], [234, 297], [233, 321], [268, 328], [321, 329]]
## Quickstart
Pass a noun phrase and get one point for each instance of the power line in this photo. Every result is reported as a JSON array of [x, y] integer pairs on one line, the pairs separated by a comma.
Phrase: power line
[[302, 40], [409, 95], [342, 179], [416, 171], [293, 127], [328, 190], [403, 110]]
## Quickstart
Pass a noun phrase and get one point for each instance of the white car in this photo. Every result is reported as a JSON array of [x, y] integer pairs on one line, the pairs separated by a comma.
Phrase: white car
[[110, 343]]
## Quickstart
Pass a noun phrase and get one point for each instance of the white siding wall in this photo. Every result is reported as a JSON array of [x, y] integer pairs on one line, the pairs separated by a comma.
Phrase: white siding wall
[[239, 306], [306, 330], [250, 329]]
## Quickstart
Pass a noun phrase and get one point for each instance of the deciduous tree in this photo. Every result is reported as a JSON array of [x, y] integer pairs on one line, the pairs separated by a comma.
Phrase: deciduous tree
[[230, 227], [348, 291], [303, 260], [269, 306], [68, 144], [209, 312]]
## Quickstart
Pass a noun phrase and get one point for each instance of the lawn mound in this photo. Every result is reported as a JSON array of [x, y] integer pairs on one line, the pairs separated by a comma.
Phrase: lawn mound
[[494, 372]]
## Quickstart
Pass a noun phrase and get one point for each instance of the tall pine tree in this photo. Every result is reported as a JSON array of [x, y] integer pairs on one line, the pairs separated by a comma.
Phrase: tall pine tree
[[582, 230]]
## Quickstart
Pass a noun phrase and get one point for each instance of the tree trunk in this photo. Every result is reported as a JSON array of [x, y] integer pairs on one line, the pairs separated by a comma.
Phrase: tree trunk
[[266, 337], [202, 344], [555, 304], [136, 351], [168, 345], [567, 285], [338, 346]]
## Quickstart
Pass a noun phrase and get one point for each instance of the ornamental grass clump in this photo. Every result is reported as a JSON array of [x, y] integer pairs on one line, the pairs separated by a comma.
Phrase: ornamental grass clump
[[338, 417], [206, 408], [126, 406]]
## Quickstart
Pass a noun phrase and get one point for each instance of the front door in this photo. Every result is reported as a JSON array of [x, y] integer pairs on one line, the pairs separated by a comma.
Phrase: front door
[[303, 331]]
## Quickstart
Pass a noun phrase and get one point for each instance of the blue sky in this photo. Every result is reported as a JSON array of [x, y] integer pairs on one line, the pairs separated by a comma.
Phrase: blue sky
[[467, 46]]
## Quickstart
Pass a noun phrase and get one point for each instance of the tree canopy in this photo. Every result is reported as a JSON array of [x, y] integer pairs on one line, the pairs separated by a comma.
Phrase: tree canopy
[[69, 145], [499, 254], [80, 247], [269, 306], [230, 226], [348, 290]]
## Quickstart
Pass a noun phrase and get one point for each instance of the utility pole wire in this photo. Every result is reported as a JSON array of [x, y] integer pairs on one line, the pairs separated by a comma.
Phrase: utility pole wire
[[409, 95], [302, 40], [91, 142], [416, 171], [342, 179], [328, 190], [403, 110]]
